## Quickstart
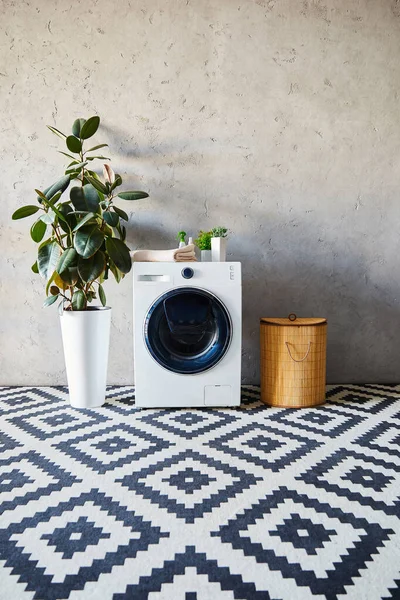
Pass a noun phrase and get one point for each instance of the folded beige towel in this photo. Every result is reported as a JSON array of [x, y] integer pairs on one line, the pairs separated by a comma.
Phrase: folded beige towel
[[185, 254]]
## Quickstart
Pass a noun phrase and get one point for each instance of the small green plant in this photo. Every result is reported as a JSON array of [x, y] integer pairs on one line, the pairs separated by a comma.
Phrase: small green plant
[[203, 241], [181, 236], [219, 232], [86, 237]]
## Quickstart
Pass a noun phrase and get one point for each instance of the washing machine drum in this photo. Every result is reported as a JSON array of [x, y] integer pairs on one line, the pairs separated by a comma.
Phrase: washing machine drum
[[188, 330]]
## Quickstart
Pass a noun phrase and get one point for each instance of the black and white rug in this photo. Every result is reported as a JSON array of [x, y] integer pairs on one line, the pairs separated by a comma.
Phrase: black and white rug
[[249, 503]]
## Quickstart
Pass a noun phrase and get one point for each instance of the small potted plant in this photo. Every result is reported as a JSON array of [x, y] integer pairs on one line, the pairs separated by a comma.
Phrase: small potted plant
[[203, 242], [181, 237], [81, 241], [218, 244]]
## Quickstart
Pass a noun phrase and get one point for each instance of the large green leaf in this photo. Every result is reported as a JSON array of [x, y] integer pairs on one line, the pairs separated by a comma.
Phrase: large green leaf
[[69, 276], [73, 144], [77, 126], [83, 221], [97, 184], [75, 168], [66, 210], [48, 217], [102, 295], [77, 198], [48, 256], [41, 195], [69, 258], [121, 213], [25, 211], [78, 300], [50, 300], [57, 132], [115, 271], [53, 207], [75, 175], [66, 154], [88, 240], [85, 198], [119, 254], [59, 186], [91, 268], [54, 198], [89, 128], [92, 198], [132, 195], [111, 218], [98, 157], [117, 181], [96, 147]]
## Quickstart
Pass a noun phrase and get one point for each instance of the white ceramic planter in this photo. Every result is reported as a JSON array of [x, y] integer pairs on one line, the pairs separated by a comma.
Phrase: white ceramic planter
[[86, 340], [218, 249], [206, 256]]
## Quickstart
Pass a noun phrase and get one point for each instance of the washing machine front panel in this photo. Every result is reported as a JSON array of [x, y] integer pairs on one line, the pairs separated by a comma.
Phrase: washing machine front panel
[[188, 330], [157, 386]]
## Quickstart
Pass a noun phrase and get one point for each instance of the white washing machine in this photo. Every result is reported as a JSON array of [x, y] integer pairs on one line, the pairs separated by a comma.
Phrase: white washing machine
[[187, 320]]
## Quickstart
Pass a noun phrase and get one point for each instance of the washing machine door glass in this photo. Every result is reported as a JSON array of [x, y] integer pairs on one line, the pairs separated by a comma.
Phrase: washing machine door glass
[[188, 330]]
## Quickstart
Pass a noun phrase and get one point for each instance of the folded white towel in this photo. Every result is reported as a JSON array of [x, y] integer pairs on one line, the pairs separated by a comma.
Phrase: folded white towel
[[185, 254]]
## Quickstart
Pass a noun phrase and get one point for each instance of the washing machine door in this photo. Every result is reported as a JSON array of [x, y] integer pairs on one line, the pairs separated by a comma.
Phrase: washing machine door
[[188, 330]]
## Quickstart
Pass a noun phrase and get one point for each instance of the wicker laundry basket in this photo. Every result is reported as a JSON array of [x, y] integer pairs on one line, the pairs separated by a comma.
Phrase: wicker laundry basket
[[293, 361]]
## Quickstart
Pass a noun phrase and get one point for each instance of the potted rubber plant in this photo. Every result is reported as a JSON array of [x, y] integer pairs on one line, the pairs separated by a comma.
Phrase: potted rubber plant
[[218, 244], [203, 242], [81, 242]]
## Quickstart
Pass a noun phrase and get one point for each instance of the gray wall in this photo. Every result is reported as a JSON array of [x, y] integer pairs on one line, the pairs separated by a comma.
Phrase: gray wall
[[278, 119]]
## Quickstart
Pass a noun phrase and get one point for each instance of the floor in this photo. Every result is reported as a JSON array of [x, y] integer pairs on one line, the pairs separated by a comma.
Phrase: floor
[[249, 503]]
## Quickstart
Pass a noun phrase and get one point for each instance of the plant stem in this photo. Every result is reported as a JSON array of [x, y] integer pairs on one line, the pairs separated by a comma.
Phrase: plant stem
[[59, 240], [82, 160]]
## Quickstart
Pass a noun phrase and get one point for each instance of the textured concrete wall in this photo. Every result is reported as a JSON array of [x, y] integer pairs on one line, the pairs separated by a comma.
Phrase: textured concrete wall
[[278, 119]]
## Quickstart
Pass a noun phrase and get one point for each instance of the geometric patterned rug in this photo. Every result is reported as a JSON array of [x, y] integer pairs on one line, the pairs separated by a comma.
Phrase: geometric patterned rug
[[260, 503]]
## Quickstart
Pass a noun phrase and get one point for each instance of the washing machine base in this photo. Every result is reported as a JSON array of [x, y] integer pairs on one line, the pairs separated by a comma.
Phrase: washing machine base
[[205, 396]]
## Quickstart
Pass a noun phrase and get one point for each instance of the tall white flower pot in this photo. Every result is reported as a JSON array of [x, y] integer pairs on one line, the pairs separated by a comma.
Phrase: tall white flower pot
[[206, 256], [218, 249], [86, 340]]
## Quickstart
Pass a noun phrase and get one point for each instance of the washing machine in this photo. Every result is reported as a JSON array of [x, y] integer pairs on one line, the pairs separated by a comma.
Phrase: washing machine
[[187, 321]]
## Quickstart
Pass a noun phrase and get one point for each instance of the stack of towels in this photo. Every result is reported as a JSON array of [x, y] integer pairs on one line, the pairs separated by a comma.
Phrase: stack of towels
[[185, 254]]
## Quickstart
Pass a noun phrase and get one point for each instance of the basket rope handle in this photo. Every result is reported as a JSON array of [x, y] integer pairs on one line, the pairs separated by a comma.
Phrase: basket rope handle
[[304, 357]]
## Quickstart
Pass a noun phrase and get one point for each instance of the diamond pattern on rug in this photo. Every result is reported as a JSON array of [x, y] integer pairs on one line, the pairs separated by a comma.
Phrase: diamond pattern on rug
[[55, 421], [265, 446], [320, 547], [384, 437], [110, 447], [28, 476], [7, 444], [191, 570], [21, 399], [74, 542], [365, 399], [252, 502], [368, 480], [189, 484], [321, 420], [189, 423]]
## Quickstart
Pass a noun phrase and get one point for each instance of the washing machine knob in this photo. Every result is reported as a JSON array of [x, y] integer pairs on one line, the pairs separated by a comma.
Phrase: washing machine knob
[[187, 273]]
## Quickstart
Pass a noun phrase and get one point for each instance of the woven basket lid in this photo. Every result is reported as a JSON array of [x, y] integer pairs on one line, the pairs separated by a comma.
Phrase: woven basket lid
[[292, 319]]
